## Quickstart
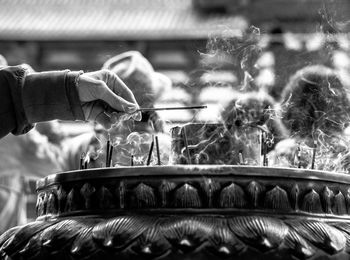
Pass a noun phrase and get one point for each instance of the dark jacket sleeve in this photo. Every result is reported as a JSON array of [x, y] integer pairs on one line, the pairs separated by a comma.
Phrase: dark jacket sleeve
[[27, 99]]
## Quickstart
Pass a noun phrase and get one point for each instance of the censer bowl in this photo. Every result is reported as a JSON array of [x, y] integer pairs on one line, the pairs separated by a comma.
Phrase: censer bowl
[[187, 212]]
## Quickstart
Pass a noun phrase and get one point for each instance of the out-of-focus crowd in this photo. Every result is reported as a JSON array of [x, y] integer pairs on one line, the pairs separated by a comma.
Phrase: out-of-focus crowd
[[313, 105]]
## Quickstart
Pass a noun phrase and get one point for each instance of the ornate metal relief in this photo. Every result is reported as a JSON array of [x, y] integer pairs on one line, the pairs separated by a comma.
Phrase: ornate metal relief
[[201, 212]]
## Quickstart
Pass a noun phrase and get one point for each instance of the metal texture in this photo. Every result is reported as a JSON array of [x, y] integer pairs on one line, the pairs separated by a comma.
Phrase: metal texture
[[189, 212]]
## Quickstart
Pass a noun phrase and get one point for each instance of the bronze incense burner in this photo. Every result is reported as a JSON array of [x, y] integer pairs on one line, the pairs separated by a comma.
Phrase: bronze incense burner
[[187, 212]]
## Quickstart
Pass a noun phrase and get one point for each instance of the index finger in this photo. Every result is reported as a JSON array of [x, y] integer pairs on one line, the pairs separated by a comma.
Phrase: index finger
[[120, 88]]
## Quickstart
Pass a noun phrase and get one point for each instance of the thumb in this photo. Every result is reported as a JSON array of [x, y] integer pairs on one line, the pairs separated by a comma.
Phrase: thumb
[[115, 101]]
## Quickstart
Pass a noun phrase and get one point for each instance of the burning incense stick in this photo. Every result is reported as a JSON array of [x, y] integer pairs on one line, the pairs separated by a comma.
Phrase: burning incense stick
[[169, 108], [158, 153], [299, 156], [240, 156], [186, 145], [108, 148], [264, 146], [132, 160], [150, 152], [86, 159], [313, 155], [82, 156], [110, 155]]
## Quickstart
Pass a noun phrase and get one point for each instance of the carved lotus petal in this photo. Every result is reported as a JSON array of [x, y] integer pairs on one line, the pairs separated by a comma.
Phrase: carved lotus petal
[[152, 243], [255, 190], [164, 189], [84, 246], [277, 199], [260, 232], [347, 200], [344, 227], [105, 198], [233, 196], [187, 234], [52, 204], [21, 237], [339, 204], [312, 203], [320, 234], [41, 204], [119, 232], [8, 235], [32, 250], [87, 191], [145, 197], [223, 242], [294, 196], [61, 196], [210, 187], [57, 236], [73, 200], [297, 245], [327, 200], [187, 197]]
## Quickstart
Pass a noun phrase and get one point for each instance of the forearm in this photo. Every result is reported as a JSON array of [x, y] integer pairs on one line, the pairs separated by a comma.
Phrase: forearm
[[51, 95], [27, 99]]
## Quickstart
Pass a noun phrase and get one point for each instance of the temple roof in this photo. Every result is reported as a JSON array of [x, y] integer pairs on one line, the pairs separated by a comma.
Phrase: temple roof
[[109, 20]]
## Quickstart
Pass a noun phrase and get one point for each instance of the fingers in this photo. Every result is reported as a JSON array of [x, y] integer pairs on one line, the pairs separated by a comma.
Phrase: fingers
[[116, 102], [114, 83], [118, 86], [96, 111]]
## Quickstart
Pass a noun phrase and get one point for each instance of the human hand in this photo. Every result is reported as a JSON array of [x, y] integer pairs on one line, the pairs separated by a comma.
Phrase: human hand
[[105, 98]]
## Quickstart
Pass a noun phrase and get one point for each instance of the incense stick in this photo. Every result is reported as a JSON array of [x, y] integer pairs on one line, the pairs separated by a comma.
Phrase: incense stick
[[107, 152], [142, 109], [299, 156], [158, 153], [132, 160], [82, 156], [150, 152], [240, 156], [265, 162], [110, 156], [87, 159], [313, 155]]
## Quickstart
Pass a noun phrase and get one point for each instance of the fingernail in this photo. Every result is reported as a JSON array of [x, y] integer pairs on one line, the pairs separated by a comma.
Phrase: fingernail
[[131, 109]]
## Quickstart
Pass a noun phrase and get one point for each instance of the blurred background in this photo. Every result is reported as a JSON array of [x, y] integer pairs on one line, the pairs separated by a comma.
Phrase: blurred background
[[181, 38], [208, 48]]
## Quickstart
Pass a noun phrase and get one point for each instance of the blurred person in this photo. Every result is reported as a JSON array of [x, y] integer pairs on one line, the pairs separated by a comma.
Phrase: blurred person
[[315, 110], [256, 109], [315, 102], [3, 61], [130, 138]]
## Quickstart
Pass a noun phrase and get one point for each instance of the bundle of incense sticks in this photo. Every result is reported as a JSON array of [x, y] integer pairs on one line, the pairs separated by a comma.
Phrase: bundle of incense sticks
[[142, 109]]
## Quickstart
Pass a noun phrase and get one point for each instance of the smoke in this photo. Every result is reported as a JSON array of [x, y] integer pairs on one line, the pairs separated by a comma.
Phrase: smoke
[[243, 48]]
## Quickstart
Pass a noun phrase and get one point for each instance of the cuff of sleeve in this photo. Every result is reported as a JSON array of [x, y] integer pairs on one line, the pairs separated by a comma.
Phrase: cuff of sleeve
[[16, 77], [73, 96]]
